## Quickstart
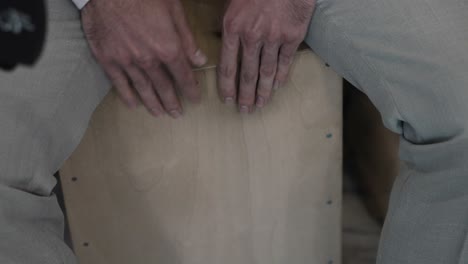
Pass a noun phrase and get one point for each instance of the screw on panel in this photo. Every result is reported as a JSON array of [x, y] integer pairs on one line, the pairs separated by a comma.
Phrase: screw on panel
[[329, 135]]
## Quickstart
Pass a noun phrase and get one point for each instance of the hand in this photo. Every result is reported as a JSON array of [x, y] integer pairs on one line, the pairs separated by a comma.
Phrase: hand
[[146, 48], [267, 33]]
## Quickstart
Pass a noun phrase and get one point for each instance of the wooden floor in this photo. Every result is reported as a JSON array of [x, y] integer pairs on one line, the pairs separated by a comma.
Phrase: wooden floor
[[360, 231]]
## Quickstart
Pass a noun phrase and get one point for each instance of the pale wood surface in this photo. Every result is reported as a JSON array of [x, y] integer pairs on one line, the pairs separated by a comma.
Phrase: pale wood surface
[[215, 186]]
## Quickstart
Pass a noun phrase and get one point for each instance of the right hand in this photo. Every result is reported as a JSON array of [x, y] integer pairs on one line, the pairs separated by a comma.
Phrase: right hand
[[146, 48]]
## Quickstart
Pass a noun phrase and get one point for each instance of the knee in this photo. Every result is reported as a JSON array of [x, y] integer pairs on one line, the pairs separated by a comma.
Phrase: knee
[[435, 110]]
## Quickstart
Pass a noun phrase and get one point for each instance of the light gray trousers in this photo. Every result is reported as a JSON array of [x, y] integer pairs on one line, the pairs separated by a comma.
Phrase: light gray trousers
[[409, 56]]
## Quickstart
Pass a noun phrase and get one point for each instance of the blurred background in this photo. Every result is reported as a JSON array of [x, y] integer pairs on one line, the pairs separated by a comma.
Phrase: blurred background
[[370, 166]]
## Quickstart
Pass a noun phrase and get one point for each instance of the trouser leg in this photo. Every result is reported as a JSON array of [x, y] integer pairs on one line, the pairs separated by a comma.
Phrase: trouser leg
[[44, 112], [411, 58]]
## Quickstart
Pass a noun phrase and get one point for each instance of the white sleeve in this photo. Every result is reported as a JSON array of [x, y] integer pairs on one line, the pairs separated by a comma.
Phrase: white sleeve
[[80, 3]]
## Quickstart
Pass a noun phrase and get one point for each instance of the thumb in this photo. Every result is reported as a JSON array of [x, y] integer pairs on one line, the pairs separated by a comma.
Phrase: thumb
[[193, 52]]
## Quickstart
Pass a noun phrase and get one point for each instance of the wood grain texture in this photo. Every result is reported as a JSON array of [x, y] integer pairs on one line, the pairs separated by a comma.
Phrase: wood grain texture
[[214, 186]]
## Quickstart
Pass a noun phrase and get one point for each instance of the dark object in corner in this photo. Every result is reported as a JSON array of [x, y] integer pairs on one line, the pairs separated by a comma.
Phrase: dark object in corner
[[22, 32]]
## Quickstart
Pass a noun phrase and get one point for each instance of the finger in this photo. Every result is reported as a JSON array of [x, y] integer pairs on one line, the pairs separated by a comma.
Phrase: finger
[[173, 58], [193, 52], [286, 57], [227, 68], [143, 86], [122, 85], [165, 90], [268, 69], [249, 75], [184, 78]]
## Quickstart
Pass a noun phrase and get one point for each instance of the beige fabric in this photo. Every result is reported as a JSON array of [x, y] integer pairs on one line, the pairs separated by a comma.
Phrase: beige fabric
[[43, 114], [411, 58]]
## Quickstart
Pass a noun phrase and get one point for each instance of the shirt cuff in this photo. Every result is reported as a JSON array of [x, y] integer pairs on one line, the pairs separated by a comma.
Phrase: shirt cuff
[[80, 3]]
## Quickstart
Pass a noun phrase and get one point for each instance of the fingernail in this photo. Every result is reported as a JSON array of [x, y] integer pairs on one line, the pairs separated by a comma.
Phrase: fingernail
[[229, 100], [200, 58], [175, 113], [260, 102], [244, 109]]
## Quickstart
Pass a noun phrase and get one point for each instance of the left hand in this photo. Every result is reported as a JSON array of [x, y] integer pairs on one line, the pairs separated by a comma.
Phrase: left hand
[[267, 33]]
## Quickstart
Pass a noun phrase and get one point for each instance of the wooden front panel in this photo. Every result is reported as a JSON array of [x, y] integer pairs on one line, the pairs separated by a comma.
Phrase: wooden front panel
[[214, 187]]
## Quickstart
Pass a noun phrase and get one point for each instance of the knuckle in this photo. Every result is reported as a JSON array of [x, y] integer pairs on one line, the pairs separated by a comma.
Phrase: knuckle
[[170, 54], [292, 36], [273, 38], [248, 77], [144, 60], [251, 51], [282, 75], [226, 71], [142, 88], [169, 98], [286, 58], [163, 89], [125, 61], [252, 36], [145, 95], [230, 26], [267, 71]]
